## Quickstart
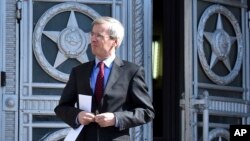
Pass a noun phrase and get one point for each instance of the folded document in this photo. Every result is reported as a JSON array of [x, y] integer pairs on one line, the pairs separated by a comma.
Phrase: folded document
[[85, 102]]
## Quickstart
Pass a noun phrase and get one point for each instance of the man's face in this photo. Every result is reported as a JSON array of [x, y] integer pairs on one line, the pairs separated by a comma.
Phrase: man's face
[[101, 44]]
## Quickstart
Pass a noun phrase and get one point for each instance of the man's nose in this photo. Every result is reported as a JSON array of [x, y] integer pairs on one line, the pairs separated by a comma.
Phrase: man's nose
[[93, 38]]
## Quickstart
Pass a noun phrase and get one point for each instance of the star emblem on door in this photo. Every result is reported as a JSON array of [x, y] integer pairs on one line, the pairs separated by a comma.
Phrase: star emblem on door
[[220, 43], [72, 41]]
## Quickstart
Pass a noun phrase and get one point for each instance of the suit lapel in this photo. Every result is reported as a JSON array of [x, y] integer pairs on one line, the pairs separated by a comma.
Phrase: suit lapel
[[114, 74], [85, 78]]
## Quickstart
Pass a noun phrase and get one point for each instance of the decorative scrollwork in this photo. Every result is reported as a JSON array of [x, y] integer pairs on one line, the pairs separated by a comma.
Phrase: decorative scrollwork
[[137, 132], [138, 32]]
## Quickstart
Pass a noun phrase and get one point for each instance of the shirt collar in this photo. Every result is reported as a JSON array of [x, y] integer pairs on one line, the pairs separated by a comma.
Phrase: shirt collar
[[107, 61]]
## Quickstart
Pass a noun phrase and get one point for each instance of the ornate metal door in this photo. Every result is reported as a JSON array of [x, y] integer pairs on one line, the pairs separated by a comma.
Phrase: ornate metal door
[[54, 37], [217, 85]]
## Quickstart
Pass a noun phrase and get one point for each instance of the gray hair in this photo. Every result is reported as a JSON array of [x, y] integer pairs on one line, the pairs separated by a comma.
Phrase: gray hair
[[116, 29]]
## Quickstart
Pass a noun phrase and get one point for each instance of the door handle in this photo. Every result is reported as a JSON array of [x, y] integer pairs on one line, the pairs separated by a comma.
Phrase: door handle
[[3, 78]]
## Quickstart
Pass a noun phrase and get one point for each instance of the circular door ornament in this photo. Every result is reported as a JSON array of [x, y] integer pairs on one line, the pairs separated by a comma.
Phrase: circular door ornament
[[220, 42], [218, 134], [57, 135], [72, 41]]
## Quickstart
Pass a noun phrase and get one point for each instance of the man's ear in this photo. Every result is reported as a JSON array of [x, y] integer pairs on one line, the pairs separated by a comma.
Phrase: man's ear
[[116, 43]]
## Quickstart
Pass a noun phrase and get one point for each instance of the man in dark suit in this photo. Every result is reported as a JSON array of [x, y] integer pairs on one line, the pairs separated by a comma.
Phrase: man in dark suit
[[123, 100]]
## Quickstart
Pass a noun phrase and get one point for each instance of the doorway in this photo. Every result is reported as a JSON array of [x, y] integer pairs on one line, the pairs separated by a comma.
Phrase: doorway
[[168, 71]]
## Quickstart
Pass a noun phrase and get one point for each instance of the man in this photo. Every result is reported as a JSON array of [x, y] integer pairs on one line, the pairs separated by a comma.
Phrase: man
[[120, 97]]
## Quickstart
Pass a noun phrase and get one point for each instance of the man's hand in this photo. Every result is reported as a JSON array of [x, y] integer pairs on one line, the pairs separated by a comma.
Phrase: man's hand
[[85, 118], [105, 119]]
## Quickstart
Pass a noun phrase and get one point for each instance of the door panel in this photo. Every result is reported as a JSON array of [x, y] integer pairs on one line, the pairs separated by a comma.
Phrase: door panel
[[219, 74], [57, 28], [54, 38]]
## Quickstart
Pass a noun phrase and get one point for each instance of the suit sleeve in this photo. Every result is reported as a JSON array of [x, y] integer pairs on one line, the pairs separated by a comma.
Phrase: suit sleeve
[[141, 109], [66, 109]]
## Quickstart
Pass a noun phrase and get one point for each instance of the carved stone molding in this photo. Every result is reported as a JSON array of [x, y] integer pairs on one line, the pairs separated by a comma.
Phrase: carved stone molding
[[138, 32], [228, 107], [138, 26], [41, 105]]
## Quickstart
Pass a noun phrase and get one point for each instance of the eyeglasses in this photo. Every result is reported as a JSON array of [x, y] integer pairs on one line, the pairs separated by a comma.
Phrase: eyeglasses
[[99, 36]]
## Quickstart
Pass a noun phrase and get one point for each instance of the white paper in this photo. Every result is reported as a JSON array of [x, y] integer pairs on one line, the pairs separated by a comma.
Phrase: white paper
[[85, 102]]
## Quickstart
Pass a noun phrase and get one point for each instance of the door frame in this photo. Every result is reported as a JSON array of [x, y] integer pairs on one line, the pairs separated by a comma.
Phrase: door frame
[[1, 60]]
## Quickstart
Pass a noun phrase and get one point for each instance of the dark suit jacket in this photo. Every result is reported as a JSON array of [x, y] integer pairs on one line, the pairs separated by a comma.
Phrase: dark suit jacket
[[125, 95]]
